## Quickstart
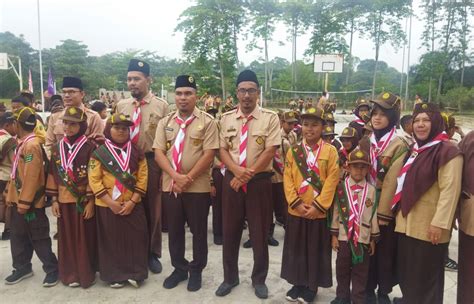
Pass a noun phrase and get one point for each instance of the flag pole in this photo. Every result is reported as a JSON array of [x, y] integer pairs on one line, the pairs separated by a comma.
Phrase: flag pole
[[40, 57]]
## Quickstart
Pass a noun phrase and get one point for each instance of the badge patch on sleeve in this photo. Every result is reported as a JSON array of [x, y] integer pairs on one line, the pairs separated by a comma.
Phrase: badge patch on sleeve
[[259, 140], [28, 158]]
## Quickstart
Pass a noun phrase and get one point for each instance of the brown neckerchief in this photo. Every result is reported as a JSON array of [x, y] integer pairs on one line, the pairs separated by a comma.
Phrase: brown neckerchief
[[467, 148], [424, 173]]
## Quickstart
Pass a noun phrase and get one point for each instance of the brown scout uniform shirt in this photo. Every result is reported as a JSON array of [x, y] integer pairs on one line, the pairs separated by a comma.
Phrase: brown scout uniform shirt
[[263, 132], [369, 227], [287, 141], [7, 148], [32, 176], [437, 206], [152, 111], [55, 132], [202, 134]]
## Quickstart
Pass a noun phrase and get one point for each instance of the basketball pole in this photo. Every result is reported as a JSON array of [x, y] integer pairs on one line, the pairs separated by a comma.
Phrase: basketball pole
[[326, 80]]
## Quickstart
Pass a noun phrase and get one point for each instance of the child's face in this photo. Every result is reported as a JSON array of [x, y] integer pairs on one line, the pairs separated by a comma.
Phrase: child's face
[[312, 129], [379, 119], [70, 128], [346, 143], [288, 126], [358, 171], [103, 114], [409, 127], [363, 112], [120, 133]]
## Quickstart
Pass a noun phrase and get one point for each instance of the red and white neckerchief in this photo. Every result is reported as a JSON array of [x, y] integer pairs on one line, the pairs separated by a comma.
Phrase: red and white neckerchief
[[415, 151], [359, 121], [68, 158], [279, 162], [356, 209], [18, 150], [344, 152], [123, 160], [178, 146], [376, 149], [136, 119], [3, 132], [243, 145], [312, 163]]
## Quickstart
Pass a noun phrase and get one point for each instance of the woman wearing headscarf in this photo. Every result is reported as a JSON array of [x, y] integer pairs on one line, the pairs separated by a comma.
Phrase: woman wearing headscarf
[[73, 202], [428, 189], [118, 178], [387, 152]]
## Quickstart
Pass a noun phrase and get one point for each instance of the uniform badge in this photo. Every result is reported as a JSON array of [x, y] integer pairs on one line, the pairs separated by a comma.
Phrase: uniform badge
[[386, 96], [122, 117], [200, 128], [191, 79], [231, 129], [359, 154], [259, 140], [140, 64], [197, 142], [72, 111], [369, 203], [28, 158], [424, 106], [168, 145], [183, 125], [311, 110], [169, 129]]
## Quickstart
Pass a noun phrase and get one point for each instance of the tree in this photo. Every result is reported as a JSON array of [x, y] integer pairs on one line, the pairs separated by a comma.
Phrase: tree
[[382, 25]]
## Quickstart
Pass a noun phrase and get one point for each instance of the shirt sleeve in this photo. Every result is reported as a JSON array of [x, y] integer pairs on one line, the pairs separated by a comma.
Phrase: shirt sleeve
[[289, 184], [211, 137], [222, 142], [33, 158], [274, 133], [335, 220], [51, 186], [40, 132], [160, 137], [142, 178], [95, 178], [324, 201]]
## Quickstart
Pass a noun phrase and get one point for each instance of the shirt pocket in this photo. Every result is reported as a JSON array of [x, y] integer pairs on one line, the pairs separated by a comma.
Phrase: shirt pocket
[[170, 135], [196, 139], [259, 137], [153, 120], [364, 231], [231, 139]]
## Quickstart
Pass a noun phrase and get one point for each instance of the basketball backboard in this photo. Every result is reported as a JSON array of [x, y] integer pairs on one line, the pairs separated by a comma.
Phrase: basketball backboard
[[3, 61], [328, 63]]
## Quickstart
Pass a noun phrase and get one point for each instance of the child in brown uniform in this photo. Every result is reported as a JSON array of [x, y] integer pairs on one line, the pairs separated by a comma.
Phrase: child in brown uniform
[[118, 177], [354, 230], [73, 201], [29, 223], [310, 179]]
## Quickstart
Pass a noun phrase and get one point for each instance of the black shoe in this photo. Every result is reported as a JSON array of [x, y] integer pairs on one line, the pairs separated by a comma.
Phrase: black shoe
[[397, 300], [51, 279], [383, 299], [370, 298], [293, 294], [195, 281], [261, 291], [340, 301], [225, 288], [17, 276], [306, 296], [248, 244], [217, 239], [154, 264], [6, 235], [272, 241], [175, 278]]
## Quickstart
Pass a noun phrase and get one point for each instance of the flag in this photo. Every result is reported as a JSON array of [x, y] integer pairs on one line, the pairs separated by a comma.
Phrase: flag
[[51, 86], [30, 82]]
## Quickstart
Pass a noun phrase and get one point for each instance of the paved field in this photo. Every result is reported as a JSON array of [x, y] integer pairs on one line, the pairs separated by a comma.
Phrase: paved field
[[31, 291]]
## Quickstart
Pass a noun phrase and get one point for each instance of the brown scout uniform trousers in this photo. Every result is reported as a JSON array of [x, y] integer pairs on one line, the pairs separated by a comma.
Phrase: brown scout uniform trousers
[[191, 208], [217, 202], [256, 207], [152, 204]]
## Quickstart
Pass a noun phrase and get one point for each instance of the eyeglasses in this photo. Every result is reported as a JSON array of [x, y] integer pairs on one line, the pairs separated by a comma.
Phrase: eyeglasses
[[243, 91], [70, 92]]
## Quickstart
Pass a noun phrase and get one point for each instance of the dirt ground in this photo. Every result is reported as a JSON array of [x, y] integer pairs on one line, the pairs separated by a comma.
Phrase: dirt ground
[[31, 290]]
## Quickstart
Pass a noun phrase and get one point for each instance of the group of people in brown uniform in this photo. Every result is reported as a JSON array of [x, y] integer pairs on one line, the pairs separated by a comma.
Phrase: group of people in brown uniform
[[384, 203]]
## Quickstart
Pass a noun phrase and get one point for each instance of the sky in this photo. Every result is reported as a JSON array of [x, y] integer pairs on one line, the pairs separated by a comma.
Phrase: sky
[[107, 26]]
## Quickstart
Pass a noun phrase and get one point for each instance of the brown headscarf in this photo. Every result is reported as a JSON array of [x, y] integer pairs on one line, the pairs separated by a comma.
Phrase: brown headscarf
[[423, 172], [137, 153], [467, 148]]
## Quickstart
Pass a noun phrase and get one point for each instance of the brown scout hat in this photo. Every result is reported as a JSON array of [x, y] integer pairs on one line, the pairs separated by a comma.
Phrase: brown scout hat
[[314, 113], [119, 119], [328, 131], [387, 101], [25, 115], [358, 156], [329, 117], [425, 107], [289, 116], [74, 114], [360, 102], [348, 132]]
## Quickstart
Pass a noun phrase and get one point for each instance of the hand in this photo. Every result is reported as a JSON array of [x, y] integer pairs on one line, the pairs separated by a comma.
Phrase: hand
[[213, 191], [21, 210], [127, 208], [301, 209], [182, 181], [434, 234], [334, 243], [235, 184], [372, 248], [243, 174], [177, 189], [55, 209], [115, 206], [89, 210], [312, 213]]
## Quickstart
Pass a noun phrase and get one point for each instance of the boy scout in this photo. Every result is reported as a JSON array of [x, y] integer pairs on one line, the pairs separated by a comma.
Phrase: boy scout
[[354, 230], [249, 138], [185, 145], [145, 110], [7, 147], [29, 223], [362, 113], [73, 94], [24, 101]]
